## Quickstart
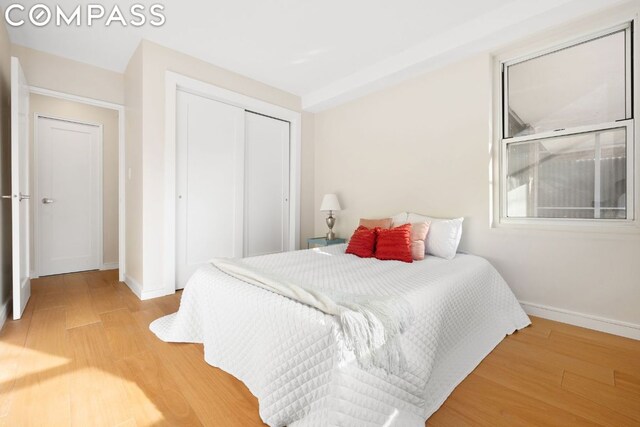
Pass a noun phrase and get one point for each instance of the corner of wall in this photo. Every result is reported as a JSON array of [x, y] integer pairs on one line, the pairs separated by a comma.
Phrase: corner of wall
[[133, 96], [307, 179], [57, 73]]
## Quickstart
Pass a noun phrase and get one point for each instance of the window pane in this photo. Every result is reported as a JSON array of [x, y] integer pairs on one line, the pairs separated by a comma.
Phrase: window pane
[[577, 176], [580, 85]]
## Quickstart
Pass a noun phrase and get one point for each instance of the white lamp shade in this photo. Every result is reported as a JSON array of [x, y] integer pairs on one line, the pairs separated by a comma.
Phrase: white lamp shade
[[330, 203]]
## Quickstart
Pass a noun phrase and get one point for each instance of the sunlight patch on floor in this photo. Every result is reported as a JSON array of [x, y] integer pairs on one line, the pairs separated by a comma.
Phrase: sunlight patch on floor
[[84, 395], [28, 361], [99, 394]]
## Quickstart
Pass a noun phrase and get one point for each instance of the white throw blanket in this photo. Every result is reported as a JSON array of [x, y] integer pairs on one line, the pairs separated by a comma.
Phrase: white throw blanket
[[370, 325]]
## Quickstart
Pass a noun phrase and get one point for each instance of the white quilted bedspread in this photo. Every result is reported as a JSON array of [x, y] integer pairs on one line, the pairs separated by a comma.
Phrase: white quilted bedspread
[[292, 358]]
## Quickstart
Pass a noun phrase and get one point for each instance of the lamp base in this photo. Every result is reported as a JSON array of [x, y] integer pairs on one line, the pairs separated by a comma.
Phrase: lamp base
[[331, 221]]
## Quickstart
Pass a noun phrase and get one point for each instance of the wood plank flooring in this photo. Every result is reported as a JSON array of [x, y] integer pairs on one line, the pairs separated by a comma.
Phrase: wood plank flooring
[[83, 355]]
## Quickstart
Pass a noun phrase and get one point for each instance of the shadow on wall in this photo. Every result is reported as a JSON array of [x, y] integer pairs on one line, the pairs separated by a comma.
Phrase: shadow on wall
[[5, 170]]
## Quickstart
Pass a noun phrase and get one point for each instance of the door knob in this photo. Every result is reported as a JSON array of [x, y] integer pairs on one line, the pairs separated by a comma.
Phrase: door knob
[[8, 197], [47, 201], [23, 196]]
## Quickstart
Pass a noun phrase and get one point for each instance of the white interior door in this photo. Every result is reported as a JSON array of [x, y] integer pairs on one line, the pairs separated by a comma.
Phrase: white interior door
[[20, 188], [209, 182], [69, 191], [266, 185]]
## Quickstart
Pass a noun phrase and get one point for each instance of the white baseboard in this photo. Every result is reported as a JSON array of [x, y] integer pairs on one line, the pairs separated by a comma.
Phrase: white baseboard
[[4, 312], [615, 327], [109, 266], [156, 293], [137, 289], [105, 266]]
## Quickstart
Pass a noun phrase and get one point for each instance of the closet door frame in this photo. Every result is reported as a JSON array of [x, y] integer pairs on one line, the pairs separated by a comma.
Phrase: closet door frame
[[175, 82]]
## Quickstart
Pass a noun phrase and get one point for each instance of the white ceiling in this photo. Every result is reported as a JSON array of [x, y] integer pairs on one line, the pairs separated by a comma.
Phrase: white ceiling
[[326, 51]]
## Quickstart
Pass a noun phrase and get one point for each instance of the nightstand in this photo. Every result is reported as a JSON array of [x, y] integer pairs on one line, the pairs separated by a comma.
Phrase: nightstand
[[318, 242]]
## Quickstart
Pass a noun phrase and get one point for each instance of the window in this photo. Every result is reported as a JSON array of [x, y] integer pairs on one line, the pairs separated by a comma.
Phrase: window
[[568, 131]]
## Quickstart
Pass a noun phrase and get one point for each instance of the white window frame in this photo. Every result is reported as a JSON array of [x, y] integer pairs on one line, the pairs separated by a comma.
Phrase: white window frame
[[628, 124]]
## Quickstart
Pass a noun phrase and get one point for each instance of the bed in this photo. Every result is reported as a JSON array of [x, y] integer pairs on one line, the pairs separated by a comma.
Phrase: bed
[[292, 357]]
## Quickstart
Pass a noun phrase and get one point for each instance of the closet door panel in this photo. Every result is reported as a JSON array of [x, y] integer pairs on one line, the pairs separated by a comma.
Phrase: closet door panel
[[266, 185], [210, 139]]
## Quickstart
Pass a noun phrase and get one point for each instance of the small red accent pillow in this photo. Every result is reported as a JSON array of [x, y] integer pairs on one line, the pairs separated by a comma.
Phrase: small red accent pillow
[[395, 244], [363, 242]]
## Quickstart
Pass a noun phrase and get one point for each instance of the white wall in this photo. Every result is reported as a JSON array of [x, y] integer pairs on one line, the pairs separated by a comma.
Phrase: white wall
[[133, 169], [424, 146], [109, 119], [53, 72]]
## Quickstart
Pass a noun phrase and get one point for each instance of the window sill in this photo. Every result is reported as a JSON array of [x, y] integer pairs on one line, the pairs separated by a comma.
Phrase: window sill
[[608, 226]]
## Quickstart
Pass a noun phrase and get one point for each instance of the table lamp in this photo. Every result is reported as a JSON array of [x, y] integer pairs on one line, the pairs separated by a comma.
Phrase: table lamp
[[330, 204]]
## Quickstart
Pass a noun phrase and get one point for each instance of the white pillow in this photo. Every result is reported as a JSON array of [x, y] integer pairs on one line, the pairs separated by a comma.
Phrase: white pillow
[[399, 219], [443, 237]]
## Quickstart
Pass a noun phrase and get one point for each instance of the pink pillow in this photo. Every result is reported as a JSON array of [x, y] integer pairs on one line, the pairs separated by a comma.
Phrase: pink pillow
[[384, 223], [419, 233]]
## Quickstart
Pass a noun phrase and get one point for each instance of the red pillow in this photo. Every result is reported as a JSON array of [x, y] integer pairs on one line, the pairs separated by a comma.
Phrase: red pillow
[[363, 242], [395, 244]]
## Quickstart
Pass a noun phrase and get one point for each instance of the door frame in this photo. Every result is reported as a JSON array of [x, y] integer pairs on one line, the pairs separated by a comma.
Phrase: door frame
[[175, 81], [99, 226], [121, 168]]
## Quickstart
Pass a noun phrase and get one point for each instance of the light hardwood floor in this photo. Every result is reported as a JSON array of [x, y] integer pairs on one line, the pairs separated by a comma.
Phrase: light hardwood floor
[[83, 356]]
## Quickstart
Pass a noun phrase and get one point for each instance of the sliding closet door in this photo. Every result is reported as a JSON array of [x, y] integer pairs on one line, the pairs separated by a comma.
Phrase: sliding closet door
[[209, 186], [266, 185]]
